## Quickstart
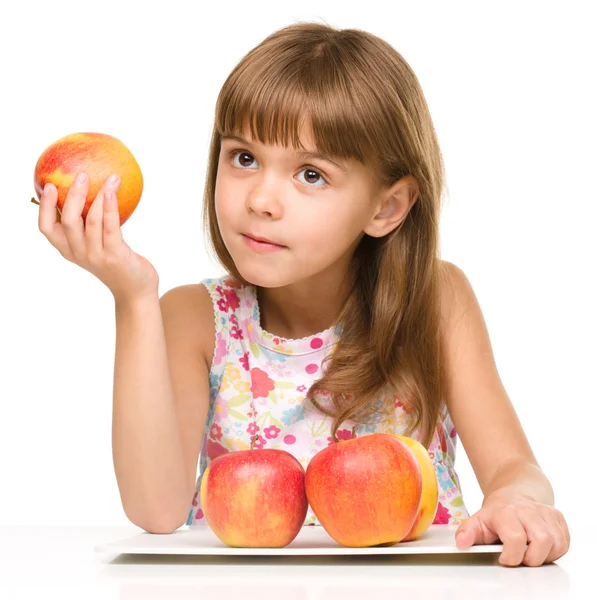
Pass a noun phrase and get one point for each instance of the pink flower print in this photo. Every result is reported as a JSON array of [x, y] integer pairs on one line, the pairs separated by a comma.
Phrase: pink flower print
[[223, 305], [271, 432], [301, 388], [252, 429], [442, 516], [236, 333], [195, 503], [216, 432], [234, 320], [259, 443], [442, 437], [199, 515], [453, 432], [261, 384], [344, 434], [233, 301], [244, 361], [221, 411], [220, 350], [250, 331], [341, 434], [231, 282], [214, 449]]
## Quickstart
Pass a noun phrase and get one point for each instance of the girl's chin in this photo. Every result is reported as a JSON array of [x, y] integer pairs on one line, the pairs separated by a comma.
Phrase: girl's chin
[[262, 276]]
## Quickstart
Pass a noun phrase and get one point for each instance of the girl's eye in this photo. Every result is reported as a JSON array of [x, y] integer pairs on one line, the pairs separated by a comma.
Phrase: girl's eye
[[242, 154]]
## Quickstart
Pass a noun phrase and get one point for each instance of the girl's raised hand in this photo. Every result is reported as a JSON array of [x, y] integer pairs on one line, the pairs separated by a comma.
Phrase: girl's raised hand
[[97, 244]]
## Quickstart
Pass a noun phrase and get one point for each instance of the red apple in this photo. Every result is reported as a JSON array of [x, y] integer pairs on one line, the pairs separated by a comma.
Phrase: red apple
[[97, 154], [365, 491], [254, 498]]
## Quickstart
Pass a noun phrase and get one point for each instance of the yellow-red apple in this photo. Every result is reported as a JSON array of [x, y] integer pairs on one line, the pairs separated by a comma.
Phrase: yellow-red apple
[[365, 491], [254, 498], [97, 154], [429, 492]]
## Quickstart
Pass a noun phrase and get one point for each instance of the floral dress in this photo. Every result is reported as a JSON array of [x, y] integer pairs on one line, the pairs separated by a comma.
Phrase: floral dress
[[258, 384]]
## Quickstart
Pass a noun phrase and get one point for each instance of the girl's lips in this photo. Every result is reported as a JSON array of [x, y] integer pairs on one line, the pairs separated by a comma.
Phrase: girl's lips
[[262, 247]]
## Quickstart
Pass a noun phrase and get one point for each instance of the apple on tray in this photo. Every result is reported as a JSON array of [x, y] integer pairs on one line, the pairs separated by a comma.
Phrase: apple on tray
[[254, 498], [365, 491], [97, 154]]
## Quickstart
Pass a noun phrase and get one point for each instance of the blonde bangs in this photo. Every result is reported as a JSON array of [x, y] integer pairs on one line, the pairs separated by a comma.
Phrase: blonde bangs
[[276, 98]]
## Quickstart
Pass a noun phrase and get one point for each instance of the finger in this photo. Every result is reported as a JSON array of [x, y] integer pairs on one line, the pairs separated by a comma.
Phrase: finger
[[474, 531], [561, 540], [48, 221], [71, 218], [112, 232], [508, 527], [94, 228], [466, 534], [541, 539], [562, 522]]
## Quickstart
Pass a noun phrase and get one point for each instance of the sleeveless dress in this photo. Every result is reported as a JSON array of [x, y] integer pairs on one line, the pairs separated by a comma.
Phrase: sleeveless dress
[[258, 384]]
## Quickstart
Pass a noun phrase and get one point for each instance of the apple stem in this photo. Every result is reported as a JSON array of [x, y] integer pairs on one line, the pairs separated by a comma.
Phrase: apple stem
[[34, 201], [253, 440]]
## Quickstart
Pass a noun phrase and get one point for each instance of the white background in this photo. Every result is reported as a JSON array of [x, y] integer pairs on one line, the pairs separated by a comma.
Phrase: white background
[[511, 89]]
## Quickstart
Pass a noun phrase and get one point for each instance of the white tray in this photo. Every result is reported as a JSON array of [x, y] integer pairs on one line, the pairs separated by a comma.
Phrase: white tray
[[311, 540]]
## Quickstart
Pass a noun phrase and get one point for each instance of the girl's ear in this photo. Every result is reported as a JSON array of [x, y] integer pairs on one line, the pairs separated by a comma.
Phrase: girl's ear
[[392, 206]]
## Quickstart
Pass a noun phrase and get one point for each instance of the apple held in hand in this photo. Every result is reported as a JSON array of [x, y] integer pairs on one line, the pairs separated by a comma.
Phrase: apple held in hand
[[365, 491], [97, 154], [429, 491], [254, 498]]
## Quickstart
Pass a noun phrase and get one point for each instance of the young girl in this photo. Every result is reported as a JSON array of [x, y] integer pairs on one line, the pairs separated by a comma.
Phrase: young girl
[[336, 318]]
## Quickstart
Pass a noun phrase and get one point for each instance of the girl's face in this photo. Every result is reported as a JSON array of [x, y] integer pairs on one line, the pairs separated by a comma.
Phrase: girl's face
[[316, 210]]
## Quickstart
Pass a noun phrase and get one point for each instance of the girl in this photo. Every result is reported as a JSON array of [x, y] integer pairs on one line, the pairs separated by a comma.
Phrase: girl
[[336, 318]]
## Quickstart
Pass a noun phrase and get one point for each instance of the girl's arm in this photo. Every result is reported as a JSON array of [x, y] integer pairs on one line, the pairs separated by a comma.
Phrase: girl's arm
[[161, 396], [518, 498], [521, 478]]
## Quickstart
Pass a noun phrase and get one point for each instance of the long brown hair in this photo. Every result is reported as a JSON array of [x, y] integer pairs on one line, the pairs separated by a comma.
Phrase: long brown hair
[[364, 102]]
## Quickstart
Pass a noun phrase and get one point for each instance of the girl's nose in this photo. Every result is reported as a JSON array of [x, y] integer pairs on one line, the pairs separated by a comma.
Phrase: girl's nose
[[264, 201]]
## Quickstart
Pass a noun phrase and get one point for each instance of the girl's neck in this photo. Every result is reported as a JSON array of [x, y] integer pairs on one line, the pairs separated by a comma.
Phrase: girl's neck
[[298, 311]]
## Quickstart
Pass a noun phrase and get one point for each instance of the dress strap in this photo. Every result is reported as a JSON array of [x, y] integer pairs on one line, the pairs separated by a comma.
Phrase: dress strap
[[223, 300]]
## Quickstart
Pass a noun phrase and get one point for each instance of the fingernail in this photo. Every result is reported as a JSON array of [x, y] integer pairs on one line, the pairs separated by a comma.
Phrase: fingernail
[[113, 179], [46, 188], [80, 178]]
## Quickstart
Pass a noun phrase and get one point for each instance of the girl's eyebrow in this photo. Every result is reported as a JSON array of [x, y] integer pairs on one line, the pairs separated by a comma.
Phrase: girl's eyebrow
[[302, 154]]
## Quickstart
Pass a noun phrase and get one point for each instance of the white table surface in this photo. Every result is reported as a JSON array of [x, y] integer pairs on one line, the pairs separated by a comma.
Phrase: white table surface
[[60, 562]]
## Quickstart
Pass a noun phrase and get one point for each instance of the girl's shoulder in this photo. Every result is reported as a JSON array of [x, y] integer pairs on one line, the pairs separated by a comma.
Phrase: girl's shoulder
[[204, 312]]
